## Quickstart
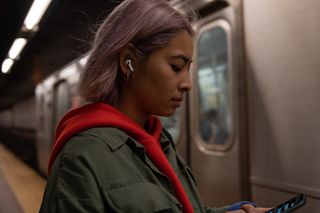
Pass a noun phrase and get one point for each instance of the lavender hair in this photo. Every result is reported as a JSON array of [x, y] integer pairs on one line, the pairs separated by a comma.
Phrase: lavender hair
[[147, 24]]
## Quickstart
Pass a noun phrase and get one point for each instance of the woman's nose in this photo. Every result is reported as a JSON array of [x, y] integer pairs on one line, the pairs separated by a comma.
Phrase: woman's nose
[[185, 83]]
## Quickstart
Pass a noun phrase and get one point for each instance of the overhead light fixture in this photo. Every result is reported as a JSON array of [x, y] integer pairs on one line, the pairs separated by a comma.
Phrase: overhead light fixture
[[35, 13], [6, 65], [17, 47]]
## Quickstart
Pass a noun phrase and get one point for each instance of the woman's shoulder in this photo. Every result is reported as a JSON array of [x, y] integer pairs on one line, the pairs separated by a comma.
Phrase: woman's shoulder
[[91, 146], [96, 140], [105, 134]]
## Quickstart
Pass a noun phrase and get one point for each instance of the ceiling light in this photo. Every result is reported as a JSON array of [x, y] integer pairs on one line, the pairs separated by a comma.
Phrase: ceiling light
[[17, 47], [35, 13], [6, 65]]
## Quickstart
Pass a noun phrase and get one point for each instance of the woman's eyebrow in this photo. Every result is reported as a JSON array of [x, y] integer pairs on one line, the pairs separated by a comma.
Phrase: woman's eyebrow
[[184, 58]]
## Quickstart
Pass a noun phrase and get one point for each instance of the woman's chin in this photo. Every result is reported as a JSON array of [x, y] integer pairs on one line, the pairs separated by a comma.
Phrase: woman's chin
[[167, 112], [171, 112]]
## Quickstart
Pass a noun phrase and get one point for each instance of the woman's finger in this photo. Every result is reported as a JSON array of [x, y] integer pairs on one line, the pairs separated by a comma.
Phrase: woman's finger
[[248, 208], [251, 209], [262, 210]]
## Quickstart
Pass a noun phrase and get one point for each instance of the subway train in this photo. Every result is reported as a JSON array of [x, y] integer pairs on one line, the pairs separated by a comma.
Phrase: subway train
[[249, 129]]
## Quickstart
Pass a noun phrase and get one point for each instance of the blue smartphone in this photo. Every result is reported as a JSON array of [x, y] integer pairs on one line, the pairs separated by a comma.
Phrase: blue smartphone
[[289, 205]]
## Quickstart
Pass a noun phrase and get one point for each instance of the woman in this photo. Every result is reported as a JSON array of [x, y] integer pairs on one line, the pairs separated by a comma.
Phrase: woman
[[113, 155]]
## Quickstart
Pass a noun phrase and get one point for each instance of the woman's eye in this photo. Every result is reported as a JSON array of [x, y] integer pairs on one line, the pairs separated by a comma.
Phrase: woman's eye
[[175, 68]]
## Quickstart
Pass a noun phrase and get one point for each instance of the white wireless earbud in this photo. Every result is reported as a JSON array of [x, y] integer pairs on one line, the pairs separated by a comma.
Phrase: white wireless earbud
[[129, 63]]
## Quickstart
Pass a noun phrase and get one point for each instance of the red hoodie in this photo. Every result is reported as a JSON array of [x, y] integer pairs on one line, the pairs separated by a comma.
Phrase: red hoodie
[[100, 114]]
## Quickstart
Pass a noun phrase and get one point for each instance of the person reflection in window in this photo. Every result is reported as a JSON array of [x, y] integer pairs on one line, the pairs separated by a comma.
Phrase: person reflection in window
[[211, 129]]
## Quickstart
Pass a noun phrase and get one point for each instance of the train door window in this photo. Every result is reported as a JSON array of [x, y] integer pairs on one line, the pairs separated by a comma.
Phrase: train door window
[[172, 124], [61, 101], [214, 86]]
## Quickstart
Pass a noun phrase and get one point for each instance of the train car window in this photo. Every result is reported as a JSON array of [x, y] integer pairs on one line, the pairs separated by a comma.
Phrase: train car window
[[213, 86], [61, 101], [172, 124]]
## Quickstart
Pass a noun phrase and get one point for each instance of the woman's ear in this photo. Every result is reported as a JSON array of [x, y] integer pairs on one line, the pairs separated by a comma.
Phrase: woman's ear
[[127, 57]]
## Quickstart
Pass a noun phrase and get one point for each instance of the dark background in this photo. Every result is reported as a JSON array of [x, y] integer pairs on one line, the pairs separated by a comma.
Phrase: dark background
[[65, 32]]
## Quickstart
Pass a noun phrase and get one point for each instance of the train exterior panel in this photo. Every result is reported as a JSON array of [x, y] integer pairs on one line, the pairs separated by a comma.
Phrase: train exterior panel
[[22, 113], [282, 65], [6, 118], [55, 96]]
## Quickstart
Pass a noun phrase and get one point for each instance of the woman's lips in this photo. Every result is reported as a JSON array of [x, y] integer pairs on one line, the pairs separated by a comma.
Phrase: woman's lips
[[177, 101]]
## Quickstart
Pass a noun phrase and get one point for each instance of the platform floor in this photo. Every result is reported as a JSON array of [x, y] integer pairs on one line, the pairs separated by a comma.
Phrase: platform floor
[[21, 188]]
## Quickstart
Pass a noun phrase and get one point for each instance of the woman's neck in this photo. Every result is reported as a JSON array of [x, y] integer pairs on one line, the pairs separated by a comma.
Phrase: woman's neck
[[132, 113]]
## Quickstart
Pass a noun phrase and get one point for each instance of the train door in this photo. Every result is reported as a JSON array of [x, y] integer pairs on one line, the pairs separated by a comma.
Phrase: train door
[[218, 151]]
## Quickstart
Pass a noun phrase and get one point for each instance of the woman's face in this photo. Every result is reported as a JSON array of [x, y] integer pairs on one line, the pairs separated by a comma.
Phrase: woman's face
[[160, 81]]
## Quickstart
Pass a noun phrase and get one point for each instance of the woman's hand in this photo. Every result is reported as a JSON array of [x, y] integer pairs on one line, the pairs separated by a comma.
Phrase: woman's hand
[[247, 208]]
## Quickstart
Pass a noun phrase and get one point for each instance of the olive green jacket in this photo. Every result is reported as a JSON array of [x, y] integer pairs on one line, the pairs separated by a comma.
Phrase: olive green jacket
[[105, 170]]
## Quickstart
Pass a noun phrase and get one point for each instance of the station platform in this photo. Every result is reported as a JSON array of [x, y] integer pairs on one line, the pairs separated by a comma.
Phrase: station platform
[[21, 188]]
